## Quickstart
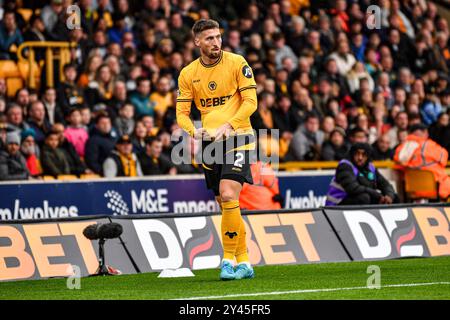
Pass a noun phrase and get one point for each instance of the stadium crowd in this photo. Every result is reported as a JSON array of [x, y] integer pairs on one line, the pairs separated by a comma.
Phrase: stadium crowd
[[325, 79]]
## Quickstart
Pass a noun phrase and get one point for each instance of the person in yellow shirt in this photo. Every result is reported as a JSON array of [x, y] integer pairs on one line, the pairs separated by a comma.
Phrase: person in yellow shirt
[[222, 86], [162, 98]]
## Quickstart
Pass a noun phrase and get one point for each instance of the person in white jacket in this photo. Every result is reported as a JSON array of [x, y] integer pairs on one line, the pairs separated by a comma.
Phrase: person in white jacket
[[344, 59]]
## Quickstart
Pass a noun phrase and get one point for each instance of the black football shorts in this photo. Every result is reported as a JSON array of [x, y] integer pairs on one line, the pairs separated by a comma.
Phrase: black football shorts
[[228, 159]]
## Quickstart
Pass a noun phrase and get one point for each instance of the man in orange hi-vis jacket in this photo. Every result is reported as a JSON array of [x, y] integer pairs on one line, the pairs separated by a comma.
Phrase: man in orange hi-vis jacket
[[420, 152], [264, 193]]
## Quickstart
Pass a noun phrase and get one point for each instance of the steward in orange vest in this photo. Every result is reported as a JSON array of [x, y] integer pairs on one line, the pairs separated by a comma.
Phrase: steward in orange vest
[[420, 152], [264, 193]]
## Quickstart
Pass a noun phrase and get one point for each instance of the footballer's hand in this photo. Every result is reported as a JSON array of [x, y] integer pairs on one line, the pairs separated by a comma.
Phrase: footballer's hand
[[223, 131], [201, 134]]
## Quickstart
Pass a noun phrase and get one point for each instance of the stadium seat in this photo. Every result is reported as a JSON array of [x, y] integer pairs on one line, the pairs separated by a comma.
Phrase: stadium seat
[[24, 69], [67, 177], [10, 71], [420, 184], [48, 178], [12, 85], [90, 176], [25, 13]]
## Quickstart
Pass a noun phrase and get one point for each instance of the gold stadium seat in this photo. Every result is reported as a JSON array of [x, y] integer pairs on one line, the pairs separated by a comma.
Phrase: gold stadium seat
[[420, 184], [67, 177], [10, 71], [90, 176], [12, 85], [48, 178], [25, 13]]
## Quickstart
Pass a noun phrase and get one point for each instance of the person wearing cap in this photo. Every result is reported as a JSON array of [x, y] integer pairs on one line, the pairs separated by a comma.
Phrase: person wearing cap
[[420, 152], [358, 135], [30, 152], [122, 161], [336, 147], [12, 164], [358, 182]]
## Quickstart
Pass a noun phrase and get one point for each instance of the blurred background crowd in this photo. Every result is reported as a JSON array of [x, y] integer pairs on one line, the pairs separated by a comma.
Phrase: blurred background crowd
[[325, 79]]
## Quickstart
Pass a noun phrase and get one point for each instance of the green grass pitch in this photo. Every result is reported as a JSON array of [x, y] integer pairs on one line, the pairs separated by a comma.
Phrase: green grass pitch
[[425, 278]]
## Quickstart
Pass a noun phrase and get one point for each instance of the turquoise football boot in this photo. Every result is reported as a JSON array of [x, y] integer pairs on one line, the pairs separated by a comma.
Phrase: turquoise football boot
[[244, 271], [227, 272]]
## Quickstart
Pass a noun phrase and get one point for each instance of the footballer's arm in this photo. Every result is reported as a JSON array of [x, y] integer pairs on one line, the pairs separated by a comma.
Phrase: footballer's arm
[[248, 106], [184, 102]]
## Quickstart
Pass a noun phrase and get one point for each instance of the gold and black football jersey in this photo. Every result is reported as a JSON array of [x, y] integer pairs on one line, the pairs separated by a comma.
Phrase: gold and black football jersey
[[223, 92]]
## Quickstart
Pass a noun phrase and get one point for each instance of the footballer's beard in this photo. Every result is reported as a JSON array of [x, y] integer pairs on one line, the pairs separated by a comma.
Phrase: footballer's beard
[[214, 54]]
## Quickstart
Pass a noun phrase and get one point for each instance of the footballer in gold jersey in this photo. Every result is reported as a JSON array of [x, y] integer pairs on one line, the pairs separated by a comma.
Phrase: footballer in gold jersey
[[222, 86]]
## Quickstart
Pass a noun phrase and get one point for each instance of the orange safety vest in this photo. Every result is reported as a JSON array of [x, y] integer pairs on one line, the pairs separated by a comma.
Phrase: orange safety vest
[[425, 154], [258, 196]]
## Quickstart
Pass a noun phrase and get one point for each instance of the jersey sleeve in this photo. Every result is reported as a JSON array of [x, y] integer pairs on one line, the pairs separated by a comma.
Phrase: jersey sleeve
[[245, 76], [184, 101], [247, 89]]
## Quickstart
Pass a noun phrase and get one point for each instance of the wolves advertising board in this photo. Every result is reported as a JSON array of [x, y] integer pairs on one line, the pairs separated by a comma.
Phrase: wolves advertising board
[[151, 243]]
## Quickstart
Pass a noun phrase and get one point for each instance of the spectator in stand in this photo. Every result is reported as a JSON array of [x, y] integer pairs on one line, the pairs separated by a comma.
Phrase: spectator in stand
[[358, 182], [28, 149], [119, 98], [94, 61], [69, 94], [440, 131], [100, 144], [307, 140], [381, 149], [141, 98], [343, 57], [86, 118], [77, 167], [53, 159], [125, 122], [358, 135], [14, 118], [13, 165], [285, 117], [263, 117], [162, 97], [10, 36], [140, 132], [431, 107], [38, 122], [420, 152], [50, 14], [153, 162], [401, 123], [22, 98], [53, 111], [336, 147], [122, 162], [75, 132], [282, 50], [101, 89]]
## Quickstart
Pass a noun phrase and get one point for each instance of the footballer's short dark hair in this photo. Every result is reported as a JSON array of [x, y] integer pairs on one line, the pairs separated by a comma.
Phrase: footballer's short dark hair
[[204, 24]]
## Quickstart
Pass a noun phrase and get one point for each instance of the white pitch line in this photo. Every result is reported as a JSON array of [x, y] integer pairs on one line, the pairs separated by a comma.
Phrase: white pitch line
[[273, 293]]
